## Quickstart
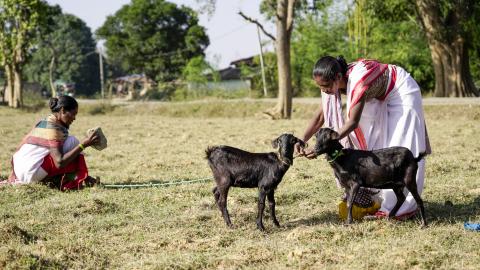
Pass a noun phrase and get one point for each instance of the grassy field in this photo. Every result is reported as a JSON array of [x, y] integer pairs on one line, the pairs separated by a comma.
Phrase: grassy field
[[180, 227]]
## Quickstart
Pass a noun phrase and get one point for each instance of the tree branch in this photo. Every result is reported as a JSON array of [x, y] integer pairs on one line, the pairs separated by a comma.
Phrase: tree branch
[[257, 23], [290, 14]]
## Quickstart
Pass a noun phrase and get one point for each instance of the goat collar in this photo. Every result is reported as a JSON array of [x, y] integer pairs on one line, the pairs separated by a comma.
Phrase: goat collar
[[284, 161], [337, 153]]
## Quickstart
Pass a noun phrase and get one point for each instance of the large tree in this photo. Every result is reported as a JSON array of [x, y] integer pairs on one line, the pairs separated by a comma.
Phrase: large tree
[[65, 51], [154, 37], [19, 20], [284, 12], [448, 25]]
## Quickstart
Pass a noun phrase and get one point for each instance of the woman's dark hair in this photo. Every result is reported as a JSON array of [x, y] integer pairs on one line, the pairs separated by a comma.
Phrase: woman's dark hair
[[68, 103], [327, 67]]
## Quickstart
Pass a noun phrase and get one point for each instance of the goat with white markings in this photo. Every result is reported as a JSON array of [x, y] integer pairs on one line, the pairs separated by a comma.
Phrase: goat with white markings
[[233, 167]]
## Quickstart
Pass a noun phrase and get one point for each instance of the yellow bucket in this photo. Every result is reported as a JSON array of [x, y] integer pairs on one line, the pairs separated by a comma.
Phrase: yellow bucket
[[357, 211]]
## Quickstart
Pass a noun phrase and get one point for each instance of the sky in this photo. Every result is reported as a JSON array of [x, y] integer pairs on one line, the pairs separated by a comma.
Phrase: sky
[[231, 37]]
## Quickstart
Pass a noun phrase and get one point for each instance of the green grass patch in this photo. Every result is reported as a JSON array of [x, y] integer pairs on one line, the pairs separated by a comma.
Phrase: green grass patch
[[180, 226]]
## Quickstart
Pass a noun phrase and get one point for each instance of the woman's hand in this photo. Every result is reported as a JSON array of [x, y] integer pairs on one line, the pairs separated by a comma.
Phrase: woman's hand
[[92, 139], [299, 149], [310, 154]]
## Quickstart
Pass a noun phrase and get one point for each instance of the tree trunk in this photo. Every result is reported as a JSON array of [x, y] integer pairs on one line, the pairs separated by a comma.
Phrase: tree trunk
[[17, 88], [50, 76], [448, 49], [284, 25], [9, 85]]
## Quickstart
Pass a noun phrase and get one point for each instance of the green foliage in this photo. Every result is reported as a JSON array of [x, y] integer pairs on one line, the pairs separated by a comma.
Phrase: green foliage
[[254, 73], [397, 20], [197, 71], [19, 20], [474, 44], [316, 35], [154, 37], [403, 43], [70, 41], [399, 41]]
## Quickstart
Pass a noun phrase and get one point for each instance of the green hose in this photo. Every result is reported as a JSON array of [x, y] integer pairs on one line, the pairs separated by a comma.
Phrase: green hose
[[164, 184]]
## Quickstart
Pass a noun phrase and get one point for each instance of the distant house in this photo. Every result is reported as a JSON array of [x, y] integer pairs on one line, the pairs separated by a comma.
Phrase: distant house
[[230, 78]]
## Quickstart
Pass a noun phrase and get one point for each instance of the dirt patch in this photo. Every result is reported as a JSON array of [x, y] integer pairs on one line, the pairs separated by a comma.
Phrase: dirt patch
[[13, 259], [96, 206], [11, 232]]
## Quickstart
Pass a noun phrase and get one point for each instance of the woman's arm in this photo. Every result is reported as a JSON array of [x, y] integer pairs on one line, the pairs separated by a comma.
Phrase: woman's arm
[[62, 160], [353, 120], [315, 124]]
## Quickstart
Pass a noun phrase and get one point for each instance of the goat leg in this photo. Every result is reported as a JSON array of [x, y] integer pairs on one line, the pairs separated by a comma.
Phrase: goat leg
[[271, 200], [216, 195], [411, 183], [222, 204], [261, 206], [400, 199], [352, 193], [418, 199]]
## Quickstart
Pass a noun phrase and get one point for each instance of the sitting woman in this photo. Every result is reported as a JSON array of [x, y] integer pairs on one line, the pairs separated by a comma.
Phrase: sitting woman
[[49, 155]]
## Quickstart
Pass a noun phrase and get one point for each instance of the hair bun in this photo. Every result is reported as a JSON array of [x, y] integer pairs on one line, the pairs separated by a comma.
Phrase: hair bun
[[53, 103], [343, 64]]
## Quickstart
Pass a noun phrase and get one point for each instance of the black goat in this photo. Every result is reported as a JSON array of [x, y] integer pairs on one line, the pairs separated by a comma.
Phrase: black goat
[[234, 167], [389, 168]]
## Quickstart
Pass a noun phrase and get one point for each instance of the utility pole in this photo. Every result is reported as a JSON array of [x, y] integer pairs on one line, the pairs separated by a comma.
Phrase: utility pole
[[261, 63], [100, 58]]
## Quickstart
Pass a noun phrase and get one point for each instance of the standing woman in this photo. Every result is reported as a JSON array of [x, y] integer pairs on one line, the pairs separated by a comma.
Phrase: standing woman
[[48, 151], [384, 109]]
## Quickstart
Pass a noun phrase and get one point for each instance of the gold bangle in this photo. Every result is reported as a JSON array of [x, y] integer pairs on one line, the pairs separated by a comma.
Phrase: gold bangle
[[81, 146]]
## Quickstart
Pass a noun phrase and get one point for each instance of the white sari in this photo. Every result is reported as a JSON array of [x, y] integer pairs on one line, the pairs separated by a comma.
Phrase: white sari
[[398, 120]]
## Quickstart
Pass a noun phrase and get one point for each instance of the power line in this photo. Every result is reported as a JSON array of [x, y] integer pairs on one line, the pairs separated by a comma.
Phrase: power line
[[230, 32]]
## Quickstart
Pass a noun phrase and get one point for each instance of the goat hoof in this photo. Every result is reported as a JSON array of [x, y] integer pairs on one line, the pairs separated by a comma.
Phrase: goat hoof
[[261, 228], [347, 223]]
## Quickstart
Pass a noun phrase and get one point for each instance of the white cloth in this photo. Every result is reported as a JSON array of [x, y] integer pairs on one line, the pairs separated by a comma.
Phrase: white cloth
[[28, 159], [396, 121]]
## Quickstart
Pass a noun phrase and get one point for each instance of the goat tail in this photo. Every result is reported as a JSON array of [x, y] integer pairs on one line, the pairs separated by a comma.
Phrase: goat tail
[[208, 151], [420, 156]]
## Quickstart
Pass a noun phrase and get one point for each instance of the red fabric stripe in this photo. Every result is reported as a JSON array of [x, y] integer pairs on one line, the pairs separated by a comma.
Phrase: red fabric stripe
[[360, 138], [78, 166], [393, 80], [43, 142], [374, 70]]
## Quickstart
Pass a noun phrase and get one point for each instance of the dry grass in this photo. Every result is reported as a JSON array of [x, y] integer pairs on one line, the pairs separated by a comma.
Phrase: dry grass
[[179, 227]]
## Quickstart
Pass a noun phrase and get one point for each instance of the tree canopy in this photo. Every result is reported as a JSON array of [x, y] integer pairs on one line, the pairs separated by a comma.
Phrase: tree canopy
[[65, 47], [154, 37], [19, 21]]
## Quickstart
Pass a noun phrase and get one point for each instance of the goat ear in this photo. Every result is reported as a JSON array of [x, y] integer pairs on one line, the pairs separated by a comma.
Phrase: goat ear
[[275, 143], [334, 135]]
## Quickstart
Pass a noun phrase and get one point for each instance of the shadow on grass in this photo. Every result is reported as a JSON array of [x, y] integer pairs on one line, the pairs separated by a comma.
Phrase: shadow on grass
[[447, 213], [322, 218]]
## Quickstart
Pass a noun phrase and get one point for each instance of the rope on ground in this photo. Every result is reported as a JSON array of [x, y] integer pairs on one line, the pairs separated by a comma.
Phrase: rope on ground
[[164, 184]]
